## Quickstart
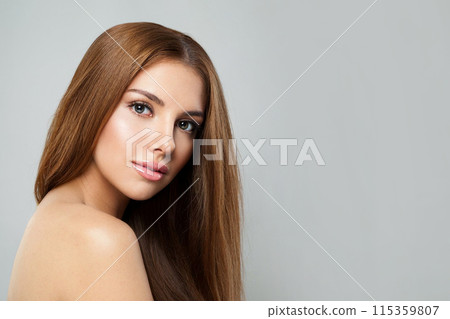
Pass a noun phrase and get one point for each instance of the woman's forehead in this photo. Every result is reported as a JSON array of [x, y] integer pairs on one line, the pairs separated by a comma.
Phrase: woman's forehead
[[171, 82]]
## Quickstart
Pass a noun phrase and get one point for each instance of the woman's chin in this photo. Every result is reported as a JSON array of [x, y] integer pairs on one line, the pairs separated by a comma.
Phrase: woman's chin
[[139, 195]]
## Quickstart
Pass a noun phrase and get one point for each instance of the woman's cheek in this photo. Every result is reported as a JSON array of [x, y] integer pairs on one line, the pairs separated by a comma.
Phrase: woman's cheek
[[184, 150]]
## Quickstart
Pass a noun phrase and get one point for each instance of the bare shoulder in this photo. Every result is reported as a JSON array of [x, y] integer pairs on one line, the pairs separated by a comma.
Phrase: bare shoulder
[[78, 253]]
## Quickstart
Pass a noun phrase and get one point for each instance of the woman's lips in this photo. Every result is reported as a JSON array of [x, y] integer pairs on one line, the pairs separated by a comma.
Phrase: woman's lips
[[150, 171]]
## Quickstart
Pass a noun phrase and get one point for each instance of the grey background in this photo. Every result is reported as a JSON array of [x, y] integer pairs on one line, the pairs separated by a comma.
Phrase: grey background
[[376, 105]]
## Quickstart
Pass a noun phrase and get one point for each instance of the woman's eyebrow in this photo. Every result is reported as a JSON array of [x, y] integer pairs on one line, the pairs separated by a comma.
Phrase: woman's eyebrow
[[195, 113], [158, 101], [149, 95]]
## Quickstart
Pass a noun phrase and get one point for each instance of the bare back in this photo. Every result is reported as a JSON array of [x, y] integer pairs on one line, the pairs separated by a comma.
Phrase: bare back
[[70, 251]]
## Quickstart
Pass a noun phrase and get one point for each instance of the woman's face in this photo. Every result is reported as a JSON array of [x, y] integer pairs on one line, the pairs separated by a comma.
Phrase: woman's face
[[150, 125]]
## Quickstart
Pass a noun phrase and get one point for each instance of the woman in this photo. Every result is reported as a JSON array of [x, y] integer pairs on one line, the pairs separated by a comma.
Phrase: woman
[[117, 170]]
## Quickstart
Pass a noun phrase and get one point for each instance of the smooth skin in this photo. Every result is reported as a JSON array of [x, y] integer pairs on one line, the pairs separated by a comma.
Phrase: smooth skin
[[75, 246]]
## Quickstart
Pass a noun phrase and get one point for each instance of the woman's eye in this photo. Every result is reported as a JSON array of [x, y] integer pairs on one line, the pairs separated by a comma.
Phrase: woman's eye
[[187, 126], [140, 108]]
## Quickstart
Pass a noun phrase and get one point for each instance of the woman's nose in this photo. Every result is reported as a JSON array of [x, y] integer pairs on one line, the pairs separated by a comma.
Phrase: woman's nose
[[164, 144], [160, 143]]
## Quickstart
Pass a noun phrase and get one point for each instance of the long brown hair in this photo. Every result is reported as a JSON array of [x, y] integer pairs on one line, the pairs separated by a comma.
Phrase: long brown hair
[[193, 252]]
